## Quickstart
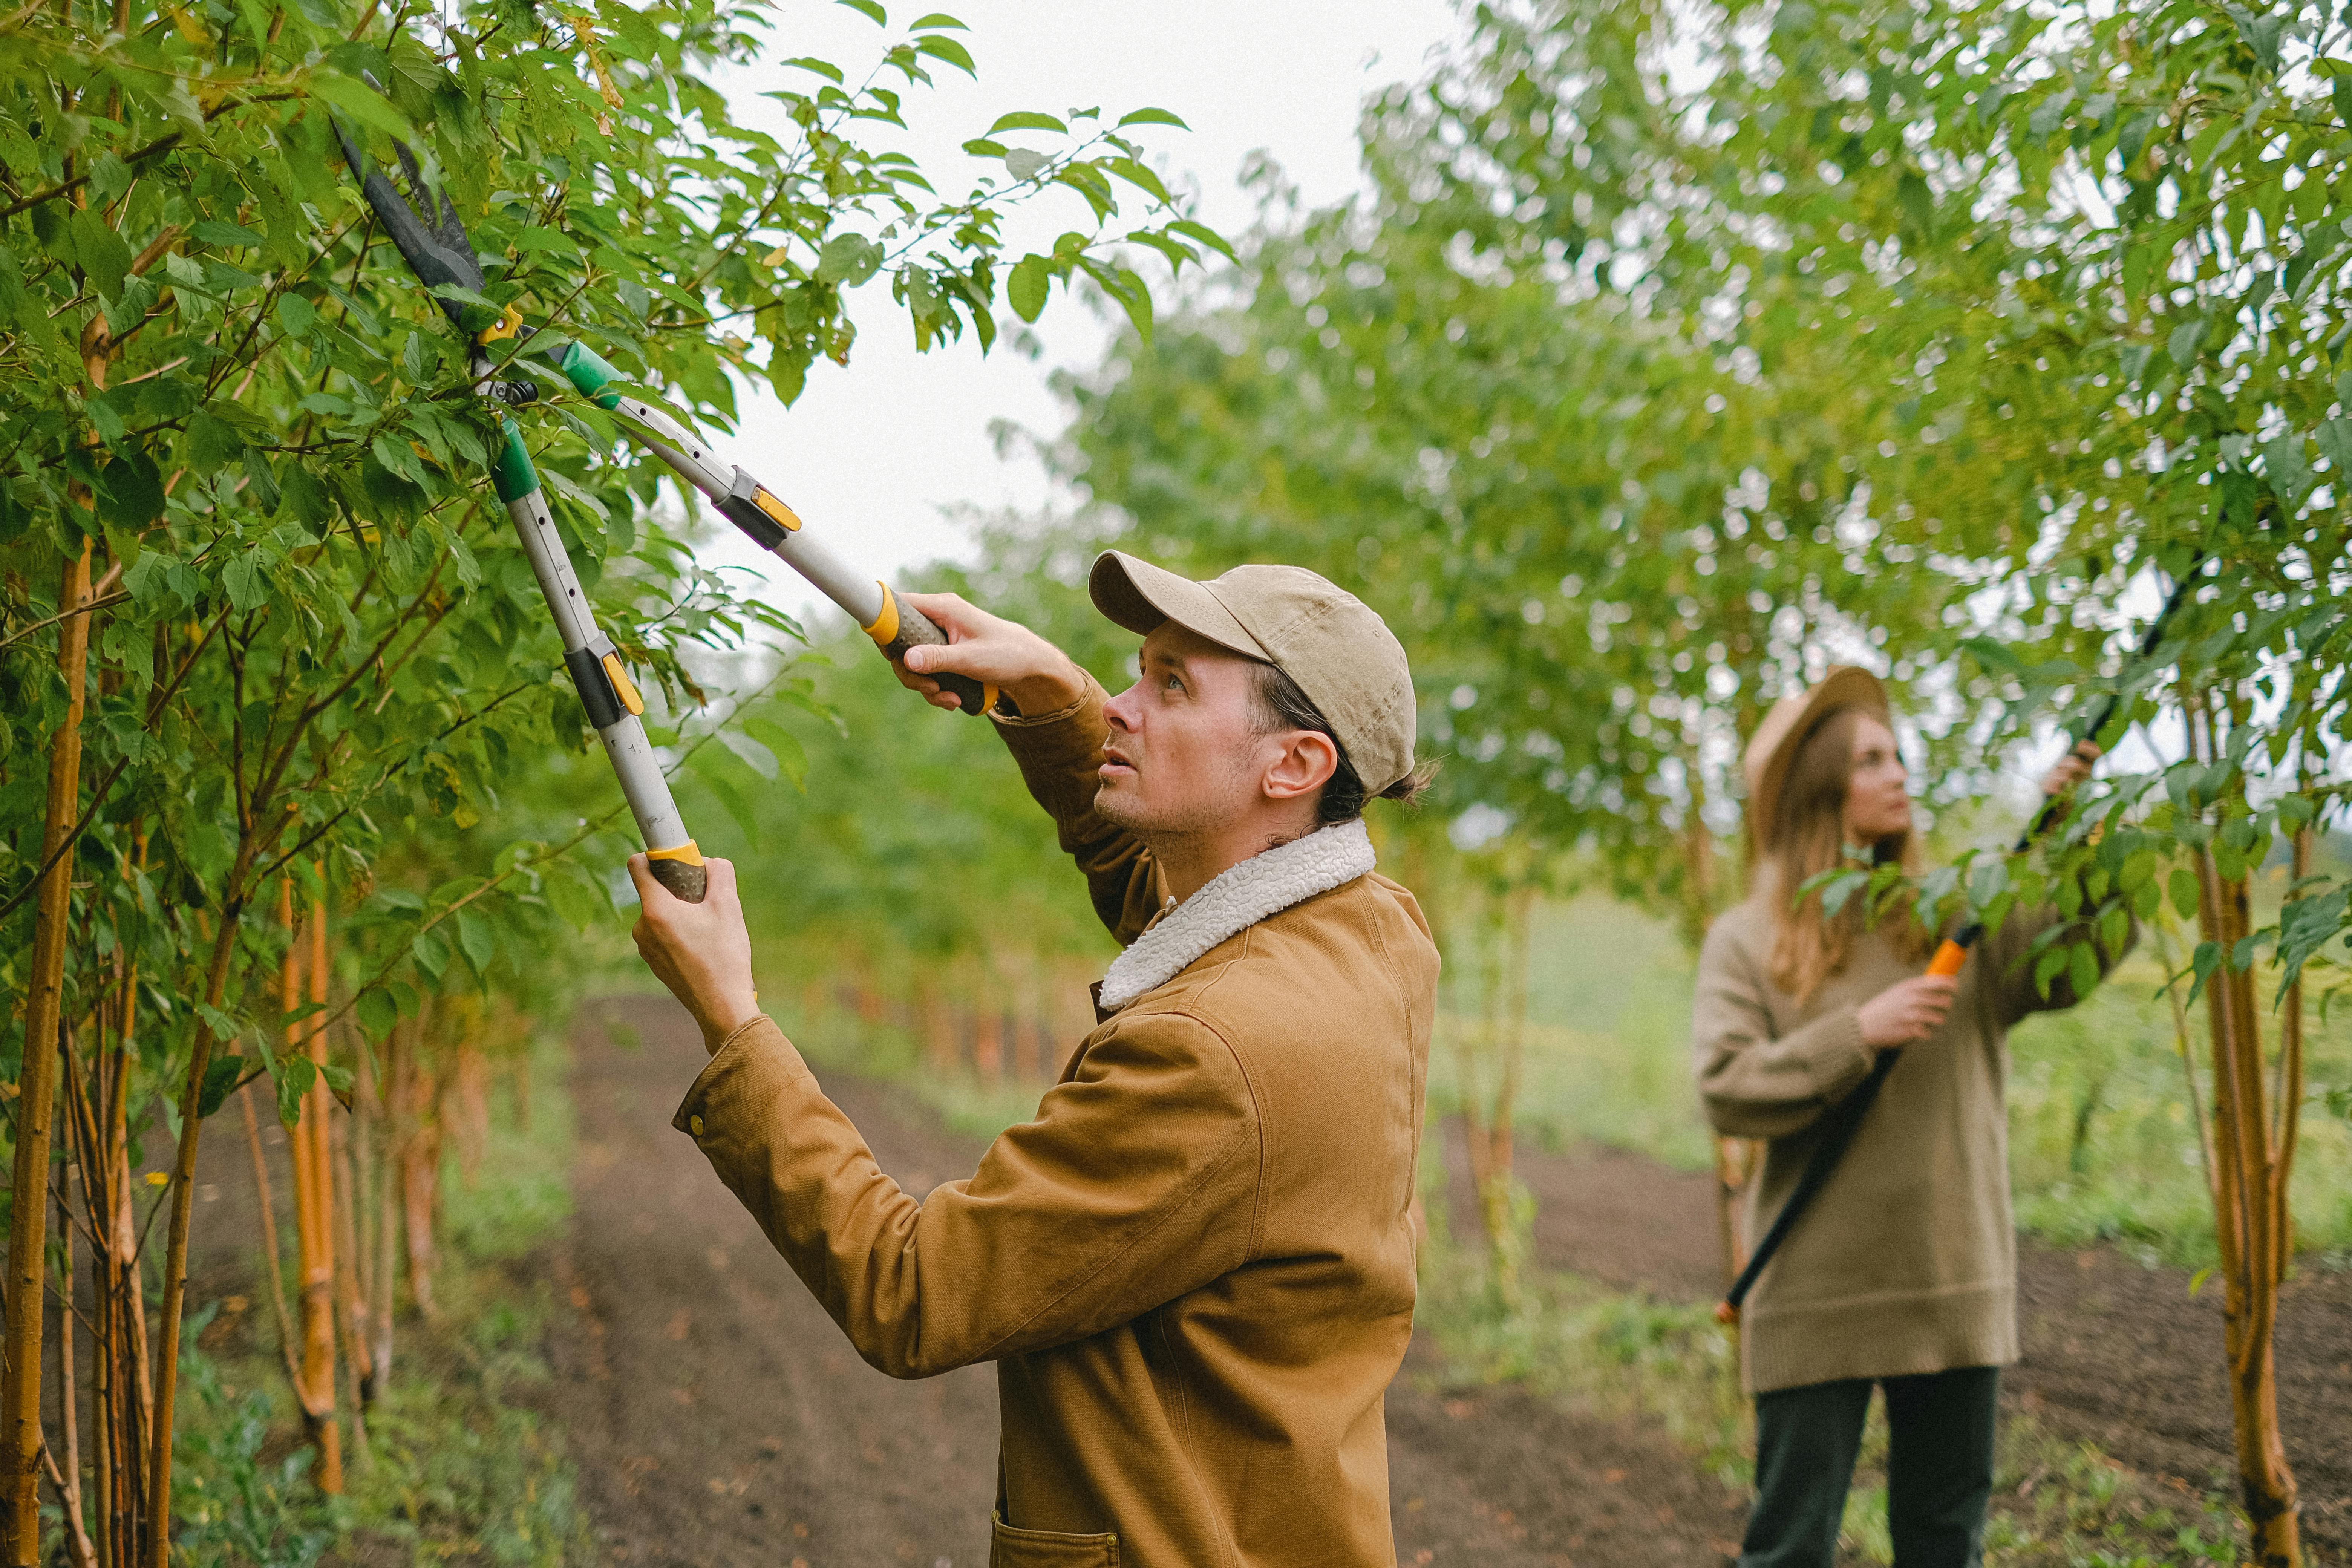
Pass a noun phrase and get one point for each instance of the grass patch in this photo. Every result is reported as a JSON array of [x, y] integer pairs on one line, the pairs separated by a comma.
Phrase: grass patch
[[460, 1466]]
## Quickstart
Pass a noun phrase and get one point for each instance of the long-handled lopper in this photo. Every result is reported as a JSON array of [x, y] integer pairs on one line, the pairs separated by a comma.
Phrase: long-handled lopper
[[1844, 1118], [438, 252]]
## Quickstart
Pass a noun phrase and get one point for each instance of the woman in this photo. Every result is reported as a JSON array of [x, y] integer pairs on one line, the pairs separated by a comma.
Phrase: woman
[[1903, 1271]]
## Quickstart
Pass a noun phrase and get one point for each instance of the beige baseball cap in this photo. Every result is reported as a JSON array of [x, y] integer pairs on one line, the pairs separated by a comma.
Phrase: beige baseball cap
[[1336, 646]]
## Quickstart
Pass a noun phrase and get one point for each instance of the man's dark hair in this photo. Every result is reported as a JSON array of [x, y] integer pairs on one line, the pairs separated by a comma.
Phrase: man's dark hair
[[1282, 706]]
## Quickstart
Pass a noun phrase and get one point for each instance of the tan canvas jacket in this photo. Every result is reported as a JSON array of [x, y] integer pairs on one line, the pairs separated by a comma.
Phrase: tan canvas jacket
[[1195, 1269], [1906, 1260]]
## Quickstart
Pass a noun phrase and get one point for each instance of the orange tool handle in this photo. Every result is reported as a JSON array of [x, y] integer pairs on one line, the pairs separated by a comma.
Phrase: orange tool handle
[[1948, 959]]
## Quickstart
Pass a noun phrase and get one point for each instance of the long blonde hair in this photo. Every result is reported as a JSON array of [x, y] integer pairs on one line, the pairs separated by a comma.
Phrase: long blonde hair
[[1809, 838]]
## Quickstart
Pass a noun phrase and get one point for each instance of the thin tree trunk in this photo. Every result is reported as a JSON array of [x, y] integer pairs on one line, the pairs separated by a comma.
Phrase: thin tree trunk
[[350, 1310], [273, 1264], [69, 1467], [2245, 1218], [314, 1387], [20, 1384], [387, 1206], [420, 1161], [166, 1380]]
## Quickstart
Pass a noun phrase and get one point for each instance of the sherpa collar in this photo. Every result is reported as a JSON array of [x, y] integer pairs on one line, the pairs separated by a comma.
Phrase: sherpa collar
[[1234, 900]]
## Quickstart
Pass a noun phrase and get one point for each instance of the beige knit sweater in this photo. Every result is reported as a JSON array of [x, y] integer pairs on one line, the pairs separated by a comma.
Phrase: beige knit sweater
[[1906, 1262]]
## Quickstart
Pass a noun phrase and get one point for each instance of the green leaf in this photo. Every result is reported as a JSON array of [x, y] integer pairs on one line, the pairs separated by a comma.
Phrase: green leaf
[[2047, 967], [296, 1074], [1206, 236], [2084, 970], [947, 49], [222, 1075], [2183, 343], [296, 314], [1026, 120], [1151, 117], [362, 103], [937, 19], [248, 589], [848, 259], [759, 758], [783, 745], [1026, 289], [378, 1013], [478, 940], [870, 9], [101, 251]]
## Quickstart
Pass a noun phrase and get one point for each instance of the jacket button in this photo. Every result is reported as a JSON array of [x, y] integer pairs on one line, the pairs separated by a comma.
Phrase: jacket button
[[694, 1125]]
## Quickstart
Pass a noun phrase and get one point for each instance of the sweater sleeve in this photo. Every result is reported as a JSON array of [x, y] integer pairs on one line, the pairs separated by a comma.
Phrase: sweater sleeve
[[1058, 754], [1136, 1182], [1755, 1085]]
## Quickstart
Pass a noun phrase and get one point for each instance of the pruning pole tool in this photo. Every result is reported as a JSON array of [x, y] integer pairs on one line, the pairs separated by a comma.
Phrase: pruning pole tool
[[438, 252], [1845, 1118]]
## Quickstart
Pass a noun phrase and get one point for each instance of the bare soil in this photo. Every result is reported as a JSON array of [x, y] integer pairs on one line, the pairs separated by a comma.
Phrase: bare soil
[[717, 1418], [2115, 1352]]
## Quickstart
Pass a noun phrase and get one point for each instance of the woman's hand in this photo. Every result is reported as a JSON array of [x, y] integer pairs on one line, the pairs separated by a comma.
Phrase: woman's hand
[[2072, 769], [1039, 677], [1905, 1011], [701, 951]]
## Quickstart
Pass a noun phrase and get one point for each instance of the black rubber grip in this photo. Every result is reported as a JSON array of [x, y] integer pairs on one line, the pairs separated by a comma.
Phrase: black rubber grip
[[686, 880], [595, 689], [915, 628]]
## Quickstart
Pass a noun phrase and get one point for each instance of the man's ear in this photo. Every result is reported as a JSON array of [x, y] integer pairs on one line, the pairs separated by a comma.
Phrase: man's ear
[[1306, 763]]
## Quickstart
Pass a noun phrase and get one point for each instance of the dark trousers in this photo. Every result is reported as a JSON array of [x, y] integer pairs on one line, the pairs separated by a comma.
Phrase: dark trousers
[[1939, 1469]]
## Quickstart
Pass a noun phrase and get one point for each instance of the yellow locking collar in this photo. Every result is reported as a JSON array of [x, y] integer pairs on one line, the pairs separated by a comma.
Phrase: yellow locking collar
[[687, 852], [785, 518], [622, 687]]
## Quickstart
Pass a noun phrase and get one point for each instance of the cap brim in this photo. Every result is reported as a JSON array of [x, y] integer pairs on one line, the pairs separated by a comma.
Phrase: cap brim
[[1846, 686], [1141, 596]]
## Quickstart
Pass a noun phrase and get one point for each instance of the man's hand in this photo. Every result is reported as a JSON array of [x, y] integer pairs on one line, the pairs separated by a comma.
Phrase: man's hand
[[1039, 677], [1907, 1010], [701, 951], [2072, 769]]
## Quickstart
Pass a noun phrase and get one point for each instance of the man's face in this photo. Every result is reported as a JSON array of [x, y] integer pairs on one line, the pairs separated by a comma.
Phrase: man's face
[[1185, 754]]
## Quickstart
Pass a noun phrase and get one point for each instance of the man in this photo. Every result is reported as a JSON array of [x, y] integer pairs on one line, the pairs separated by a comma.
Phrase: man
[[1194, 1269]]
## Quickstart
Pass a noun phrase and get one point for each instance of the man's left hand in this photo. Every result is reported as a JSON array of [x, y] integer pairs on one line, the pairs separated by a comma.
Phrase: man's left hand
[[2072, 769], [701, 951]]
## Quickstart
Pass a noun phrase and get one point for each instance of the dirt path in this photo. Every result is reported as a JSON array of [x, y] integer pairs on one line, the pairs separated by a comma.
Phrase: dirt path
[[717, 1418], [2116, 1353]]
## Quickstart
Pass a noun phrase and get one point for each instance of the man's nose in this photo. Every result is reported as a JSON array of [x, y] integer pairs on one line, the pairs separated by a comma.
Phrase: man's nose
[[1115, 711]]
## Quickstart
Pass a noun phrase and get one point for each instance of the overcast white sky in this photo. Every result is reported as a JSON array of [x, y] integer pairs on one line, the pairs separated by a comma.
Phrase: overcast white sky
[[872, 454]]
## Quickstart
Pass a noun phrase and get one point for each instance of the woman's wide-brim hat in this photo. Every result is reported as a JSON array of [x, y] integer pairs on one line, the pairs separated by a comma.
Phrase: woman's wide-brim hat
[[1774, 746]]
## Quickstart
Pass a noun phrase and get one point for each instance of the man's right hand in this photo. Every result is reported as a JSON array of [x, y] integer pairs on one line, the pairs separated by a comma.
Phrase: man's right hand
[[1039, 677], [1907, 1010]]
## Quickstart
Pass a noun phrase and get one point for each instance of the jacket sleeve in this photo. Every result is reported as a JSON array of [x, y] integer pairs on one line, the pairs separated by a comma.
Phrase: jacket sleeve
[[1753, 1084], [2008, 960], [1058, 754], [1136, 1182]]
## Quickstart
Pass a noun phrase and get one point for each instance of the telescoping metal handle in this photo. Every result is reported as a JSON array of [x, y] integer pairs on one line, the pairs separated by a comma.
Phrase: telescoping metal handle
[[768, 522], [610, 696]]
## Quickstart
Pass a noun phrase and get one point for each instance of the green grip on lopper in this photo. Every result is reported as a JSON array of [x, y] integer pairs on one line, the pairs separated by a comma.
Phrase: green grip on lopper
[[511, 473], [589, 375]]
